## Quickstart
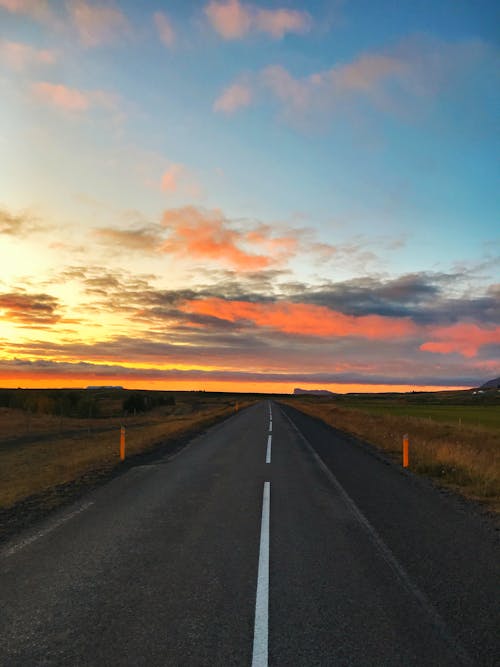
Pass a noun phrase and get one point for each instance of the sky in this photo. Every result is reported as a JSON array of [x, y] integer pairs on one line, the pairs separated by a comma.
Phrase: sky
[[249, 196]]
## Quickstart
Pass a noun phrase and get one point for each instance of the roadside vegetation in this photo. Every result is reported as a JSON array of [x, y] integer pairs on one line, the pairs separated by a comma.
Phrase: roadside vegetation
[[53, 437], [454, 436]]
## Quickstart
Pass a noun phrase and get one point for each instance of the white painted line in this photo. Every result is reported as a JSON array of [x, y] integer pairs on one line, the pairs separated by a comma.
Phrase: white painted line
[[270, 425], [42, 533], [261, 627], [268, 452]]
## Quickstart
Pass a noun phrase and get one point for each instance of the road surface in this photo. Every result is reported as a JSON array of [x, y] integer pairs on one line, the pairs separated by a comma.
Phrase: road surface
[[269, 540]]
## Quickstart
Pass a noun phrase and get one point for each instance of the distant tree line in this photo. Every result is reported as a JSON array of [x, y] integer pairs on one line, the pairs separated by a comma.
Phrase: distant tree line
[[143, 402], [80, 403], [65, 403]]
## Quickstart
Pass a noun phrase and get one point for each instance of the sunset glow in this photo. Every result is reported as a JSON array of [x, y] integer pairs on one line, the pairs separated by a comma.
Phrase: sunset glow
[[223, 195]]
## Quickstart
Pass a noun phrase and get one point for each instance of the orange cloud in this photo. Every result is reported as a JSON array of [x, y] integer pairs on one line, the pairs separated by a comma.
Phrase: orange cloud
[[62, 97], [233, 98], [303, 319], [97, 24], [19, 56], [230, 19], [72, 99], [165, 29], [262, 235], [197, 233], [177, 178], [466, 339], [170, 178], [233, 19]]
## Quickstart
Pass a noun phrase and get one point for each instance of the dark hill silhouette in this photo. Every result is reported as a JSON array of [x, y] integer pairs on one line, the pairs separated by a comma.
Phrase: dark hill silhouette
[[491, 384]]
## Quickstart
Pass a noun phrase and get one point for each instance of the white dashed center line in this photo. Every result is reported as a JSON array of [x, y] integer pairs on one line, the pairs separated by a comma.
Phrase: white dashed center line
[[261, 627]]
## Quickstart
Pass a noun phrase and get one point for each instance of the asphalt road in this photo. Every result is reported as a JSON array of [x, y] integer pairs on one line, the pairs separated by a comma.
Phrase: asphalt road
[[263, 542]]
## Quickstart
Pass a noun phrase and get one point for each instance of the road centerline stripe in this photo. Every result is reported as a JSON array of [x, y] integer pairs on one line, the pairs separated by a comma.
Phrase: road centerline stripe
[[261, 626], [268, 451]]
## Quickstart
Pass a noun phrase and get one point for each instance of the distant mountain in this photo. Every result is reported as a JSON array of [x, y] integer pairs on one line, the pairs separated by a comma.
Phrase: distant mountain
[[314, 392], [491, 384]]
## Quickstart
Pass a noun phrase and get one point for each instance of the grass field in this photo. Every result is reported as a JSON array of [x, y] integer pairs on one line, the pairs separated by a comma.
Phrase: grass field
[[482, 416], [41, 451], [454, 436]]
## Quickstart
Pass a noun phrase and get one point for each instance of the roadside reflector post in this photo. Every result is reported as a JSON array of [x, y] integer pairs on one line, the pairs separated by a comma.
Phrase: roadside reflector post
[[122, 443], [236, 407], [405, 451]]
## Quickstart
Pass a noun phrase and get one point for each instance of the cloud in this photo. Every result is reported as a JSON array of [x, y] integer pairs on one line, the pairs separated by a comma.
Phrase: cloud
[[221, 246], [233, 98], [178, 179], [278, 22], [29, 310], [205, 234], [20, 224], [233, 20], [144, 239], [97, 24], [253, 320], [20, 56], [200, 234], [303, 319], [38, 10], [409, 295], [230, 19], [165, 29], [401, 80], [170, 178], [367, 77], [62, 97], [427, 298], [73, 99], [463, 338]]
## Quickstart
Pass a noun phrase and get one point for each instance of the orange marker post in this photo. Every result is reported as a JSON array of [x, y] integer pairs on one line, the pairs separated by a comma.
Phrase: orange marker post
[[236, 407], [405, 451], [122, 443]]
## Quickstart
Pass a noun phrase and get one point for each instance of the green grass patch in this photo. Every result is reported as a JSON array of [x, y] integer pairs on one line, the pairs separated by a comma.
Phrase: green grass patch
[[485, 416]]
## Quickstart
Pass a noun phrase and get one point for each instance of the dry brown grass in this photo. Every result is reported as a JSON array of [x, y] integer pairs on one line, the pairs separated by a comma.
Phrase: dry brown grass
[[463, 458], [45, 455]]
